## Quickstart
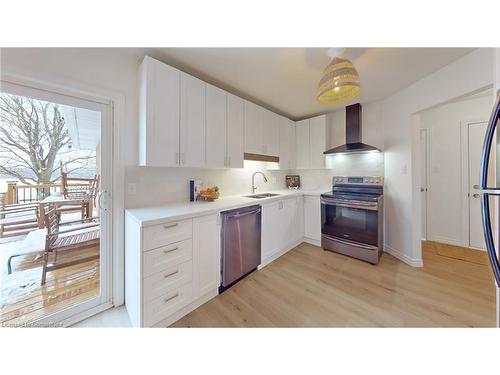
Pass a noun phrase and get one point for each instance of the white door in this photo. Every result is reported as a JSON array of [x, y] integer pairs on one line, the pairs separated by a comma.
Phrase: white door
[[216, 127], [235, 142], [302, 160], [423, 179], [476, 132], [72, 290], [192, 128]]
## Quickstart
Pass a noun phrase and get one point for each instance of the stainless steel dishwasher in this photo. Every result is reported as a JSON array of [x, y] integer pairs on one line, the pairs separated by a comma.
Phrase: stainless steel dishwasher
[[241, 230]]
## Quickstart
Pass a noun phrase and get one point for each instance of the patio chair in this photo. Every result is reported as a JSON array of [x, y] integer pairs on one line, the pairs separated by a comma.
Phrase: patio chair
[[76, 238], [79, 188], [17, 219]]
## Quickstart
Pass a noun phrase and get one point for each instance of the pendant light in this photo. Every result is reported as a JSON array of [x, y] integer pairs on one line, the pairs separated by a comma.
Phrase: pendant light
[[340, 80]]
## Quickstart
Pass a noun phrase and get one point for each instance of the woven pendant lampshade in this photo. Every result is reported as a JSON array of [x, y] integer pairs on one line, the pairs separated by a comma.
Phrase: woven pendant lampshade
[[339, 83]]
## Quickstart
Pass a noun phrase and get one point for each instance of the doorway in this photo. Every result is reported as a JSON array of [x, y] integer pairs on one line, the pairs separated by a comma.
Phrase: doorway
[[450, 149], [56, 219]]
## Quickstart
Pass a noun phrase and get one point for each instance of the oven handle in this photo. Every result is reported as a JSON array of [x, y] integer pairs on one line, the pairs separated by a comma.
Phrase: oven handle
[[351, 243], [335, 202]]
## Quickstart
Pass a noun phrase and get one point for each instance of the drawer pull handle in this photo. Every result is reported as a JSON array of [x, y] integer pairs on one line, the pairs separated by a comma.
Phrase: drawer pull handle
[[170, 274], [171, 298], [170, 250], [170, 226]]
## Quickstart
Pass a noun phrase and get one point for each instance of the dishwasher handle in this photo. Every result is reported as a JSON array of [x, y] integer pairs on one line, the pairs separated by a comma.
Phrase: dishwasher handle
[[237, 215]]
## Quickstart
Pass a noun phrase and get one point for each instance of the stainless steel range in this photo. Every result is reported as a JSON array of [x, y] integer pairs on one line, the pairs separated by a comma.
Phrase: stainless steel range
[[352, 217]]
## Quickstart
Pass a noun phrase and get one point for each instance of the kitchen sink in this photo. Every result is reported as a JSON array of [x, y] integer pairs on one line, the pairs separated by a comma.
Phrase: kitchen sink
[[260, 196]]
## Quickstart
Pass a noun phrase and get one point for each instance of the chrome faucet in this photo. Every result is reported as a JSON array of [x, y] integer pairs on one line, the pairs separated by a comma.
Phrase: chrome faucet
[[253, 181]]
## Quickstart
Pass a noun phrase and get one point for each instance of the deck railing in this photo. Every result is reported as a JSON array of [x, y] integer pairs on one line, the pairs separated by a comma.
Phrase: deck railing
[[34, 193]]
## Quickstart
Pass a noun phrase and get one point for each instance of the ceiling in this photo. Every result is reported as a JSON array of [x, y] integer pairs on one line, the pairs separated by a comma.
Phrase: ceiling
[[285, 80]]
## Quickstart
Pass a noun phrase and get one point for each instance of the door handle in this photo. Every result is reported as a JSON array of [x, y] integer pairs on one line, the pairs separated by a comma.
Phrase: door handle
[[102, 205], [476, 195]]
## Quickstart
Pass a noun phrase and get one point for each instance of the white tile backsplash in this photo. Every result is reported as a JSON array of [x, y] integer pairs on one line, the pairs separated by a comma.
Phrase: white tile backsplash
[[165, 185]]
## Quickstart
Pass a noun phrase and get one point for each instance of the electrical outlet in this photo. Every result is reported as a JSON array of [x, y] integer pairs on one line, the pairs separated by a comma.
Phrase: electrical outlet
[[132, 188]]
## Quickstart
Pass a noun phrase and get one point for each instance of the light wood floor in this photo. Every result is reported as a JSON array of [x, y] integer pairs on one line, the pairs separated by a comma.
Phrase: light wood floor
[[23, 299], [310, 287]]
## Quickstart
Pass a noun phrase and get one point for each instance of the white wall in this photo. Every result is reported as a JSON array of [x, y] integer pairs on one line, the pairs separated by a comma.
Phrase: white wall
[[401, 148], [447, 198]]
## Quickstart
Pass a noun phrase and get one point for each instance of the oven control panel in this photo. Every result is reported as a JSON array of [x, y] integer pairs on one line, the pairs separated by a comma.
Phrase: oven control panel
[[358, 180]]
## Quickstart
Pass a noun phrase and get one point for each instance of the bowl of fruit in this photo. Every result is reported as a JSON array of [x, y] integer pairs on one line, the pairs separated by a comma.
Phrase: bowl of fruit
[[209, 194]]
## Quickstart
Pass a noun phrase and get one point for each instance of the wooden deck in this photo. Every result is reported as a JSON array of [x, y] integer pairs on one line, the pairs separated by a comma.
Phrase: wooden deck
[[23, 299], [310, 287]]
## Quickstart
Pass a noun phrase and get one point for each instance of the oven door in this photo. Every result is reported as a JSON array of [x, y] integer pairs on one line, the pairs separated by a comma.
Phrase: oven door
[[354, 221]]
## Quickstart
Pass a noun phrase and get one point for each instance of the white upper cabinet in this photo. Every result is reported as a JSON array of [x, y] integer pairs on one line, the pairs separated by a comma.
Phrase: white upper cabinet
[[253, 128], [310, 143], [235, 131], [270, 133], [216, 128], [159, 114], [317, 141], [192, 120], [261, 130], [286, 143], [302, 149]]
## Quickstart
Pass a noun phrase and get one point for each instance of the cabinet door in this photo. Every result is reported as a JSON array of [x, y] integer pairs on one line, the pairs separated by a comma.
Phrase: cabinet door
[[289, 220], [285, 143], [299, 218], [216, 127], [312, 218], [192, 121], [270, 229], [270, 133], [206, 255], [158, 114], [253, 128], [302, 144], [317, 141], [235, 131]]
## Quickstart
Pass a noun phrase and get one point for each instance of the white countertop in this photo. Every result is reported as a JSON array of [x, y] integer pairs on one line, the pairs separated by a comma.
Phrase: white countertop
[[146, 216]]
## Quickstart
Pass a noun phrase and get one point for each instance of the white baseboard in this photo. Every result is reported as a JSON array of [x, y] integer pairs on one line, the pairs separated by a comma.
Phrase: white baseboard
[[275, 256], [312, 241], [403, 257]]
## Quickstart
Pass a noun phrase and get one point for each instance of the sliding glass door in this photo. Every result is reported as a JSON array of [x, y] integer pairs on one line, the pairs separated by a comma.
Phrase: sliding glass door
[[55, 206]]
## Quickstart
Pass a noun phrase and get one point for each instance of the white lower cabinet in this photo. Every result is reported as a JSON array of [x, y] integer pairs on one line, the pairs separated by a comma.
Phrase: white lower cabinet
[[281, 227], [173, 267], [312, 219], [206, 258], [170, 269]]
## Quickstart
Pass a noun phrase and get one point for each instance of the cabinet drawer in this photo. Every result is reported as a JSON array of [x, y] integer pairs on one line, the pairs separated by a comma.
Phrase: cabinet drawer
[[164, 306], [164, 257], [165, 234], [166, 280]]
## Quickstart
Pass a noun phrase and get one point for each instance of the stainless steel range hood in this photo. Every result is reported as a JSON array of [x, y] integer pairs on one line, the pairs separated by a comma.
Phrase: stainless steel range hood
[[353, 138]]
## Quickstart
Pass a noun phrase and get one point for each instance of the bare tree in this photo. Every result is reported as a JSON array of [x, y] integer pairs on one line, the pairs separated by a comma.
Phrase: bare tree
[[34, 143]]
